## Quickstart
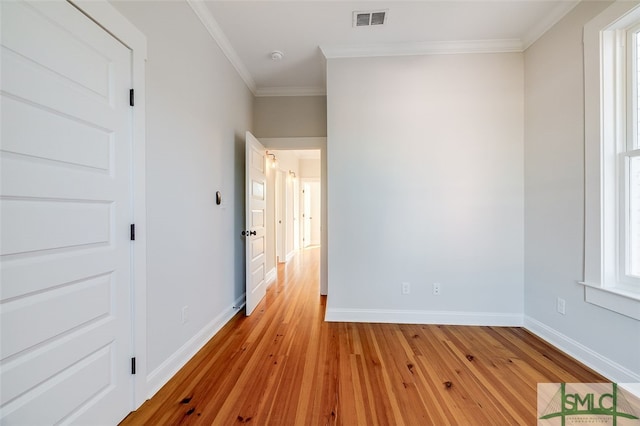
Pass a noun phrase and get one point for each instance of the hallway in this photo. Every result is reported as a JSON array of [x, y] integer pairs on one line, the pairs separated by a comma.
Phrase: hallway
[[285, 366]]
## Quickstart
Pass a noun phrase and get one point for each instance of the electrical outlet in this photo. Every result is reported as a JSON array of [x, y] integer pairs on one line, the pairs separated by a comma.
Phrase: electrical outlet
[[406, 288], [436, 289], [185, 314], [560, 305]]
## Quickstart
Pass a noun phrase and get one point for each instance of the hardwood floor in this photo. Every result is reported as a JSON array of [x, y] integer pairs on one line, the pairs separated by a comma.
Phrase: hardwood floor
[[285, 366]]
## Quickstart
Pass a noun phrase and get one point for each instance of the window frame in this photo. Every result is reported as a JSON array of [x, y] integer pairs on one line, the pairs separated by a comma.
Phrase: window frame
[[608, 121], [629, 148]]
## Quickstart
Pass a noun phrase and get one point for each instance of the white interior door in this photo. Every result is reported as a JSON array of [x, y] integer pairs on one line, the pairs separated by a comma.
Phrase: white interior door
[[281, 215], [256, 204], [314, 213], [296, 215], [306, 215], [65, 206]]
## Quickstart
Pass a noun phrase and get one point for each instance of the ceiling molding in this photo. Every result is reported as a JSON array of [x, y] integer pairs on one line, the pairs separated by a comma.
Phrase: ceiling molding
[[209, 22], [559, 12], [423, 48], [290, 91]]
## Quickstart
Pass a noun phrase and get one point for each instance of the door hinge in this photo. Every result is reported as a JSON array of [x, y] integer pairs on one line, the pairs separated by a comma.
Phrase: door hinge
[[133, 365], [131, 97], [133, 231]]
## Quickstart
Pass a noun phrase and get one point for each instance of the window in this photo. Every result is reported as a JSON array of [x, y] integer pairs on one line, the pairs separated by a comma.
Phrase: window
[[631, 161], [612, 159]]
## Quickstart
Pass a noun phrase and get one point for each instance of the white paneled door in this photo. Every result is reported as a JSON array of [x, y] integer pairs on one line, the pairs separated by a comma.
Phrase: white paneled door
[[256, 204], [66, 208], [314, 213]]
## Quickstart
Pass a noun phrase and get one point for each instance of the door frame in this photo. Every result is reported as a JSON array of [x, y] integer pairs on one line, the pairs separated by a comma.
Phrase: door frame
[[321, 144], [105, 15]]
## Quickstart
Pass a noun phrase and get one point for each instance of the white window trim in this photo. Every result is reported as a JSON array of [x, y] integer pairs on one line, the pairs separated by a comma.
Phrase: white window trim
[[600, 270]]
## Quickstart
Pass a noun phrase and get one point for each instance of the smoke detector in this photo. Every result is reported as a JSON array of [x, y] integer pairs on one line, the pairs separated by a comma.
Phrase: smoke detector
[[277, 55], [370, 18]]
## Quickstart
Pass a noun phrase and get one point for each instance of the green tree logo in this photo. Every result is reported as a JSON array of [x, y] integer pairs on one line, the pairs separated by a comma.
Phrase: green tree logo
[[588, 402]]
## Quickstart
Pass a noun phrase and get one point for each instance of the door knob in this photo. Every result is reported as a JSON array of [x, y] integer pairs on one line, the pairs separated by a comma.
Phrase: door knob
[[248, 233], [252, 232]]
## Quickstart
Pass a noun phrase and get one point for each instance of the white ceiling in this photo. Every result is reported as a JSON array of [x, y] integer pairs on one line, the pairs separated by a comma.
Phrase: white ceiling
[[248, 31]]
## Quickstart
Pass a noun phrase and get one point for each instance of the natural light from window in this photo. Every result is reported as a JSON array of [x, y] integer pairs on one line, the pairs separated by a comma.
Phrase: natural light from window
[[612, 159], [634, 220], [631, 204]]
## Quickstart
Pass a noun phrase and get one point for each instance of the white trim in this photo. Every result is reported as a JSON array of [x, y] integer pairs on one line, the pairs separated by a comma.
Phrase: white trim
[[560, 11], [212, 26], [291, 255], [271, 276], [290, 91], [319, 142], [592, 359], [165, 371], [423, 48], [423, 317], [633, 388], [613, 299], [116, 24]]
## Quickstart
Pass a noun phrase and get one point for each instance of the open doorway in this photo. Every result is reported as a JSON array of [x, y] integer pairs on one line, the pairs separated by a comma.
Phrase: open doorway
[[296, 164], [297, 203]]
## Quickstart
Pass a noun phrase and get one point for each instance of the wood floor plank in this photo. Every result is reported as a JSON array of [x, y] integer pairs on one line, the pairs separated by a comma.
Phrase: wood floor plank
[[285, 366]]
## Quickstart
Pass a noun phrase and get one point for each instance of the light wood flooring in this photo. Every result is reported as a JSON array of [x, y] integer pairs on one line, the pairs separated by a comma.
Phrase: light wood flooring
[[284, 365]]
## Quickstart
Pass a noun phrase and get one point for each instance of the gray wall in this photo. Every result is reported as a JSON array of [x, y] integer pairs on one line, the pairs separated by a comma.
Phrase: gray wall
[[554, 205], [198, 110], [290, 116], [426, 185]]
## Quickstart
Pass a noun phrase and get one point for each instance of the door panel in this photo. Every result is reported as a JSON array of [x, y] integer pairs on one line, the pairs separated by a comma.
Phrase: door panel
[[314, 218], [56, 139], [65, 209], [306, 215], [256, 190]]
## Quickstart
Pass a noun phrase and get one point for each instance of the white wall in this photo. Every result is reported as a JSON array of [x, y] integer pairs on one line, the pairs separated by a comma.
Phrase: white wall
[[197, 112], [425, 184], [310, 168], [554, 207]]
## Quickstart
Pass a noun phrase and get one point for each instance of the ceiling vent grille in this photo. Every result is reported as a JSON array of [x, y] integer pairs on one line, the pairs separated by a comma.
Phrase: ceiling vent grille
[[370, 18]]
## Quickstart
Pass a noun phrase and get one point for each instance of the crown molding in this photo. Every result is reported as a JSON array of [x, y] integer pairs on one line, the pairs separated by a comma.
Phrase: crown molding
[[209, 22], [423, 48], [552, 18], [290, 91]]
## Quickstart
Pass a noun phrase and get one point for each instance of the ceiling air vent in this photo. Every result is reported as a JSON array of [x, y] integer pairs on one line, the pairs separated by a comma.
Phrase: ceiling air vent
[[370, 18]]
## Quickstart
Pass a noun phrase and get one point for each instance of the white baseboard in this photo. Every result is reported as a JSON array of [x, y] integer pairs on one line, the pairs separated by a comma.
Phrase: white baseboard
[[592, 359], [290, 255], [161, 375], [271, 276], [423, 317]]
